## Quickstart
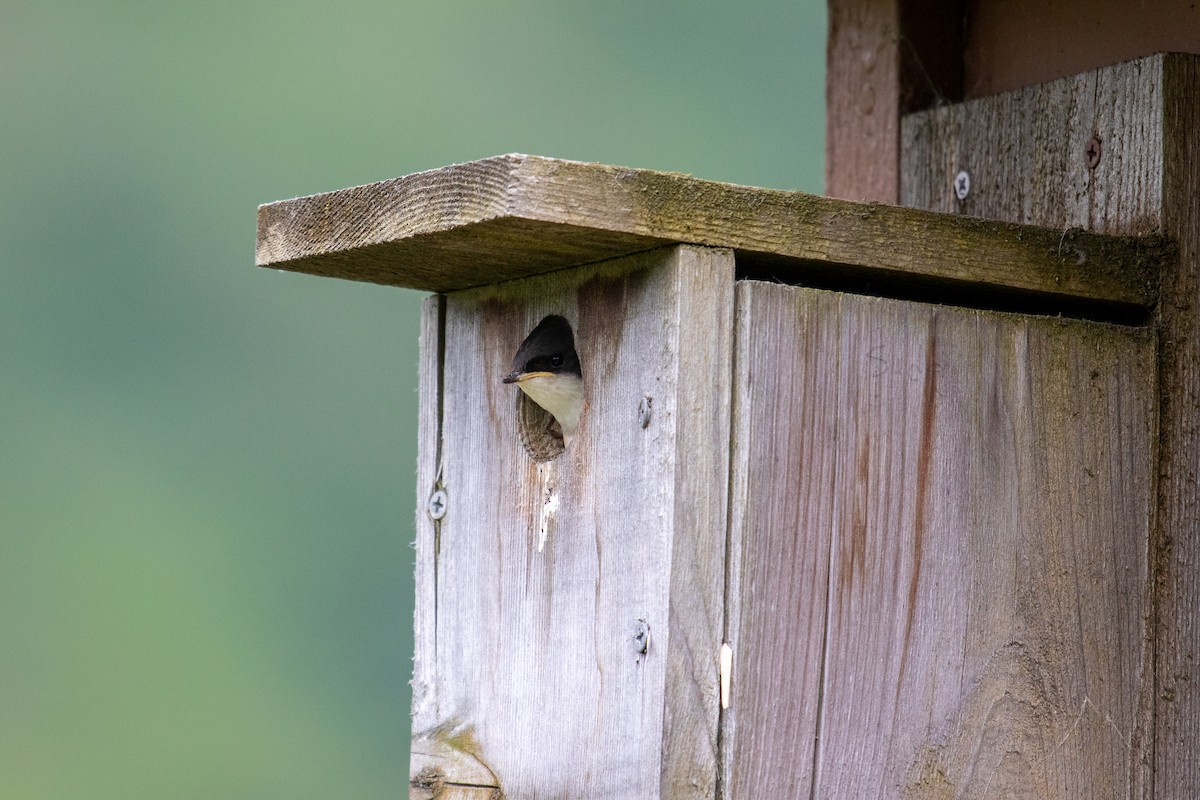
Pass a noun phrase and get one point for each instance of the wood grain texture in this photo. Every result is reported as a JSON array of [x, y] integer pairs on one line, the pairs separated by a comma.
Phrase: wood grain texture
[[444, 750], [573, 615], [979, 487], [862, 101], [781, 512], [1025, 153], [1177, 751], [884, 58], [696, 613], [1148, 180], [515, 216]]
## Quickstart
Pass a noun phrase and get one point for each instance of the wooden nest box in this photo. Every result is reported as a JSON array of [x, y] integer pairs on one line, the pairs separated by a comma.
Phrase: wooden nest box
[[864, 501]]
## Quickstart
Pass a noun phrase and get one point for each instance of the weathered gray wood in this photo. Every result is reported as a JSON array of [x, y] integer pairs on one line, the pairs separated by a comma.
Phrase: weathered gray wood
[[703, 332], [1147, 115], [976, 490], [1025, 152], [990, 561], [545, 574], [429, 445], [515, 216], [781, 512], [1177, 751], [444, 751]]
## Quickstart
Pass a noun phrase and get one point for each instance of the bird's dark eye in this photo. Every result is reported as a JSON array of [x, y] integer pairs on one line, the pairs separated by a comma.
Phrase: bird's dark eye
[[556, 360]]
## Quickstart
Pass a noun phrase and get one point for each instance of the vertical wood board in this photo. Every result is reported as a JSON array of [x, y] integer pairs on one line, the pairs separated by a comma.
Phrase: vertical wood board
[[545, 573], [1146, 114], [982, 493], [1177, 711], [884, 58], [781, 512], [862, 100]]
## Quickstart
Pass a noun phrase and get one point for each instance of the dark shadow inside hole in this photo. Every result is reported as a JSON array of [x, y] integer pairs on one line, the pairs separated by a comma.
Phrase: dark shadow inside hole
[[540, 432]]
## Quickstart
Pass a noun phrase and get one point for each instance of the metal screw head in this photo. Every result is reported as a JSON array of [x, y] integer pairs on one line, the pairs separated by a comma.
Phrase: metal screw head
[[1091, 153], [437, 505], [962, 184]]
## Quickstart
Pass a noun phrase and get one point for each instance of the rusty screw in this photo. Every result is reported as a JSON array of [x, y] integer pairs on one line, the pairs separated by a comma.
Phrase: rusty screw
[[1091, 153]]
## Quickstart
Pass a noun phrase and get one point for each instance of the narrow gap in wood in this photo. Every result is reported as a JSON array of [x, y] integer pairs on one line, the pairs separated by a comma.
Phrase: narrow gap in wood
[[727, 588], [824, 663], [824, 657], [1157, 555], [937, 291], [437, 481], [566, 268], [441, 376]]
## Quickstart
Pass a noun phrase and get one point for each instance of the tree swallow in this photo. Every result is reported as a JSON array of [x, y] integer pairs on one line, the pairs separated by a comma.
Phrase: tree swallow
[[546, 368]]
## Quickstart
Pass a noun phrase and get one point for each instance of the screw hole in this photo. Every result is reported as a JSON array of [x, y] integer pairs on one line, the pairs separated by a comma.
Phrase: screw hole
[[645, 411]]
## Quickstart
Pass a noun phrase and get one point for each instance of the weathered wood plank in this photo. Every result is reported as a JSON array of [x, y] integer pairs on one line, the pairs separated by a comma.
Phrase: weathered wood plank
[[696, 614], [862, 100], [1026, 153], [982, 487], [884, 58], [443, 750], [1177, 750], [547, 573], [429, 454], [987, 607], [516, 216], [1146, 114], [781, 513]]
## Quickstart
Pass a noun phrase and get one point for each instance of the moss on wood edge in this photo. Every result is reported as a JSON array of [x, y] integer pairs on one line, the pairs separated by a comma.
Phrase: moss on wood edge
[[513, 216]]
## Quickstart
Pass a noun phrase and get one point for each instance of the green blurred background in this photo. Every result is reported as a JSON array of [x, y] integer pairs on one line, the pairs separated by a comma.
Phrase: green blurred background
[[206, 482]]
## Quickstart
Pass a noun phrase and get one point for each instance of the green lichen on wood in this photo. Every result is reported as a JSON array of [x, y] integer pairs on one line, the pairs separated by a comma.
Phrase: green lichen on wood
[[516, 216]]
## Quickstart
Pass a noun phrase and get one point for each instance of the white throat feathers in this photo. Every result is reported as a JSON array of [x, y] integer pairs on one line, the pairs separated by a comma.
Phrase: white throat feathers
[[560, 394]]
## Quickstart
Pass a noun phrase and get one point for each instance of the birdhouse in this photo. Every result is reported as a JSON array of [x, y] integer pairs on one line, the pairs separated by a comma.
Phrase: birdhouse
[[740, 493]]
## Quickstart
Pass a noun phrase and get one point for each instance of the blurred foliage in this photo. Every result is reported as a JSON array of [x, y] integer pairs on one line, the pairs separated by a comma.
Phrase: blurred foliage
[[206, 488]]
